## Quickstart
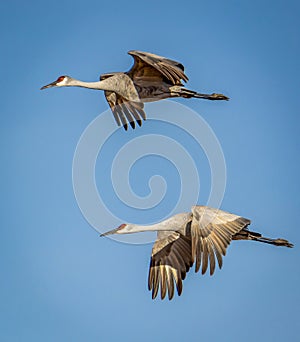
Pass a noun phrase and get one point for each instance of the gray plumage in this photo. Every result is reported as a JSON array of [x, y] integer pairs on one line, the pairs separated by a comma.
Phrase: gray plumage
[[151, 78], [200, 237]]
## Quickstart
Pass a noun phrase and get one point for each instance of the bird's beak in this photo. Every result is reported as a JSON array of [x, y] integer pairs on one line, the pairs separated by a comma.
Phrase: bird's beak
[[53, 84], [110, 232]]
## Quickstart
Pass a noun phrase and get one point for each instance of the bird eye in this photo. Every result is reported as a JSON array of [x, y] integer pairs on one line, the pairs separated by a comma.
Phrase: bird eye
[[61, 78]]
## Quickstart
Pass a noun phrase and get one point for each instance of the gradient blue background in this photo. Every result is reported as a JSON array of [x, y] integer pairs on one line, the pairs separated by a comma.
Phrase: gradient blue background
[[59, 280]]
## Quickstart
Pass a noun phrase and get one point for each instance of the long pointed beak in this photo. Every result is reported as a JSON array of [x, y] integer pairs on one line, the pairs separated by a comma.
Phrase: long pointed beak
[[110, 232], [53, 84]]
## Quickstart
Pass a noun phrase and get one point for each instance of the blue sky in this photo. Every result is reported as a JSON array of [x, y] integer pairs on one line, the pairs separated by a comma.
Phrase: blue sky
[[60, 281]]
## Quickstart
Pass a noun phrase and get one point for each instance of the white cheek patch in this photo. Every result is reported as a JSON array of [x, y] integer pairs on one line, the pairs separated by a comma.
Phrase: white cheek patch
[[61, 83]]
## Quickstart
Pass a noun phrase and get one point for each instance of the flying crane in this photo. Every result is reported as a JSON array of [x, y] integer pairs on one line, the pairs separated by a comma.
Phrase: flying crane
[[151, 78], [200, 236]]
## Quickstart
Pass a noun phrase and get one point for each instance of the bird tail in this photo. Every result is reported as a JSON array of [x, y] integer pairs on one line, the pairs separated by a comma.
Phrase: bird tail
[[186, 93], [248, 235]]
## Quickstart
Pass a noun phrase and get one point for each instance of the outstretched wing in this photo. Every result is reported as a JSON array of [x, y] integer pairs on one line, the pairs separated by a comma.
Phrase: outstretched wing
[[150, 67], [124, 111], [171, 259], [212, 231]]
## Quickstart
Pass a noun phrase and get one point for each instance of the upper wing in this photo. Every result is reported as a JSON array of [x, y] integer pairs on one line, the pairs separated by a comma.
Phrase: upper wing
[[212, 231], [124, 111], [170, 260], [154, 68]]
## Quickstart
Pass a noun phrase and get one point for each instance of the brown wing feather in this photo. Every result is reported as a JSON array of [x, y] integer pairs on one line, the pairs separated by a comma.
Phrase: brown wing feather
[[170, 261], [150, 67], [212, 231]]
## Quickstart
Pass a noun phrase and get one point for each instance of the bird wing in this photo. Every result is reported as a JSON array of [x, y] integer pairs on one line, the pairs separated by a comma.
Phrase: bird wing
[[124, 111], [171, 259], [211, 232], [154, 68]]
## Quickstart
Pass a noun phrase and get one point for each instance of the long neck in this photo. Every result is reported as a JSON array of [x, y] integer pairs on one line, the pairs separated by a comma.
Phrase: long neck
[[100, 85], [121, 84], [171, 224]]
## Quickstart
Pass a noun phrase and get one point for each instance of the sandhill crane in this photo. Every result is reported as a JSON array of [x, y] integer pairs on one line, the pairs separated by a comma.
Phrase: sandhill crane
[[201, 236], [151, 78]]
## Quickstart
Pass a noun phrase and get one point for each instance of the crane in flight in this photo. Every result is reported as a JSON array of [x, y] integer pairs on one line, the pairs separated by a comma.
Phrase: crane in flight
[[200, 236], [151, 78]]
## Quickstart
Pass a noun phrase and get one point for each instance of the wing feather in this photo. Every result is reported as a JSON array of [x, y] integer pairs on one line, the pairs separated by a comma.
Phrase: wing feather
[[204, 255], [125, 112], [121, 115], [134, 113], [199, 249], [170, 280], [171, 259], [217, 250], [212, 232], [163, 283], [150, 66], [212, 262]]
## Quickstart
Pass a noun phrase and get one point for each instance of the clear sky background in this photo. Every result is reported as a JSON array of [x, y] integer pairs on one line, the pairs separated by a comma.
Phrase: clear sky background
[[59, 280]]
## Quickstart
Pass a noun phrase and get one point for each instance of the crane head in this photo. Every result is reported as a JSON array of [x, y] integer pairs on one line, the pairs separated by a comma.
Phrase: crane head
[[118, 230], [60, 82]]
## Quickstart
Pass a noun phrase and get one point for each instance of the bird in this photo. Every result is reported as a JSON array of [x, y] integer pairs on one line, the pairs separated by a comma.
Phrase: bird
[[199, 237], [151, 78]]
